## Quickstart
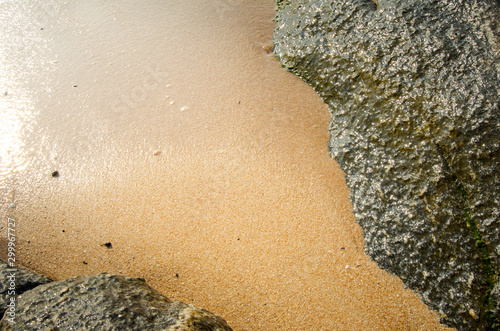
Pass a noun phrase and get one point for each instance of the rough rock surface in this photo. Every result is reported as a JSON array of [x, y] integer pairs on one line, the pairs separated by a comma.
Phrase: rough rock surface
[[414, 91], [496, 296], [24, 280], [106, 302]]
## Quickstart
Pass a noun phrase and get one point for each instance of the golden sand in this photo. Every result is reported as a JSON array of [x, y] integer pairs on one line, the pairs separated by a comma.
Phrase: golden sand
[[181, 141]]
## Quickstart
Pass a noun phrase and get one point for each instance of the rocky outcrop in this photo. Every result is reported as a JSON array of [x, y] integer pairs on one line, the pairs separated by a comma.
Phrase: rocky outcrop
[[414, 92], [15, 281], [106, 302]]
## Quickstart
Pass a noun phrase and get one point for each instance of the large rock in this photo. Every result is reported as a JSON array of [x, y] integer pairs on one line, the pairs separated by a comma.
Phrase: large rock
[[15, 281], [106, 302], [413, 88]]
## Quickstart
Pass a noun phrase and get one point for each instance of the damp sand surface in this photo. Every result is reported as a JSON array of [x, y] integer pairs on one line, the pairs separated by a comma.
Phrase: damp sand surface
[[181, 141]]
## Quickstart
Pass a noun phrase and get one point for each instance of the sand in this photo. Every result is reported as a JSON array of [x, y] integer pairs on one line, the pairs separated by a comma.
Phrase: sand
[[181, 141]]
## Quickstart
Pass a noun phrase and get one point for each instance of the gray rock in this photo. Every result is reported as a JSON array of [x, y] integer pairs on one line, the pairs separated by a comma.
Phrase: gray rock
[[414, 92], [14, 281], [496, 298], [106, 302]]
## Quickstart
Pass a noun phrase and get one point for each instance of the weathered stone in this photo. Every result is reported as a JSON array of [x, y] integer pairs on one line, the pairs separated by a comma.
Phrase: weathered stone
[[414, 92], [496, 298], [106, 302], [24, 280]]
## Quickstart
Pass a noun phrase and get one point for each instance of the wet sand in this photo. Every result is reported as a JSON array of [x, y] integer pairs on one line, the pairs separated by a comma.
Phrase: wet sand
[[179, 139]]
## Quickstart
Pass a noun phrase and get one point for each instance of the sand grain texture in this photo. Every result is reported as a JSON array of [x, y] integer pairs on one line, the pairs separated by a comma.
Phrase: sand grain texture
[[181, 141]]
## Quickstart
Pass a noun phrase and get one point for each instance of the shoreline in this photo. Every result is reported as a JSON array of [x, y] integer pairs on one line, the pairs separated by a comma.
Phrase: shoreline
[[179, 140]]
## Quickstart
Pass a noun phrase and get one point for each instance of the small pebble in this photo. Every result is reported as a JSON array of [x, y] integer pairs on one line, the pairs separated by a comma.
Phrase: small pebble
[[85, 262], [177, 275], [172, 102], [12, 206], [347, 267], [267, 48], [55, 174], [75, 85], [156, 153], [108, 245], [184, 108]]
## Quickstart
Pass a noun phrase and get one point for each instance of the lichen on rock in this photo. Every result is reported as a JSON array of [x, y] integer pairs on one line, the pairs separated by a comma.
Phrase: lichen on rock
[[414, 92]]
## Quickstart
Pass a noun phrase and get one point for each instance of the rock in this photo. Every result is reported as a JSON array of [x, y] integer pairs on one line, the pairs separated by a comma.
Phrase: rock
[[496, 298], [414, 92], [24, 280], [106, 302]]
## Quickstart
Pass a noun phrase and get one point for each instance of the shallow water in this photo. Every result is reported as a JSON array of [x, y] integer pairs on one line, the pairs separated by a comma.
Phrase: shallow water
[[181, 141]]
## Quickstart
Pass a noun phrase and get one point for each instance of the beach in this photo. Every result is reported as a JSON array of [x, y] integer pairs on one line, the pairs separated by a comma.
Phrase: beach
[[162, 140]]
